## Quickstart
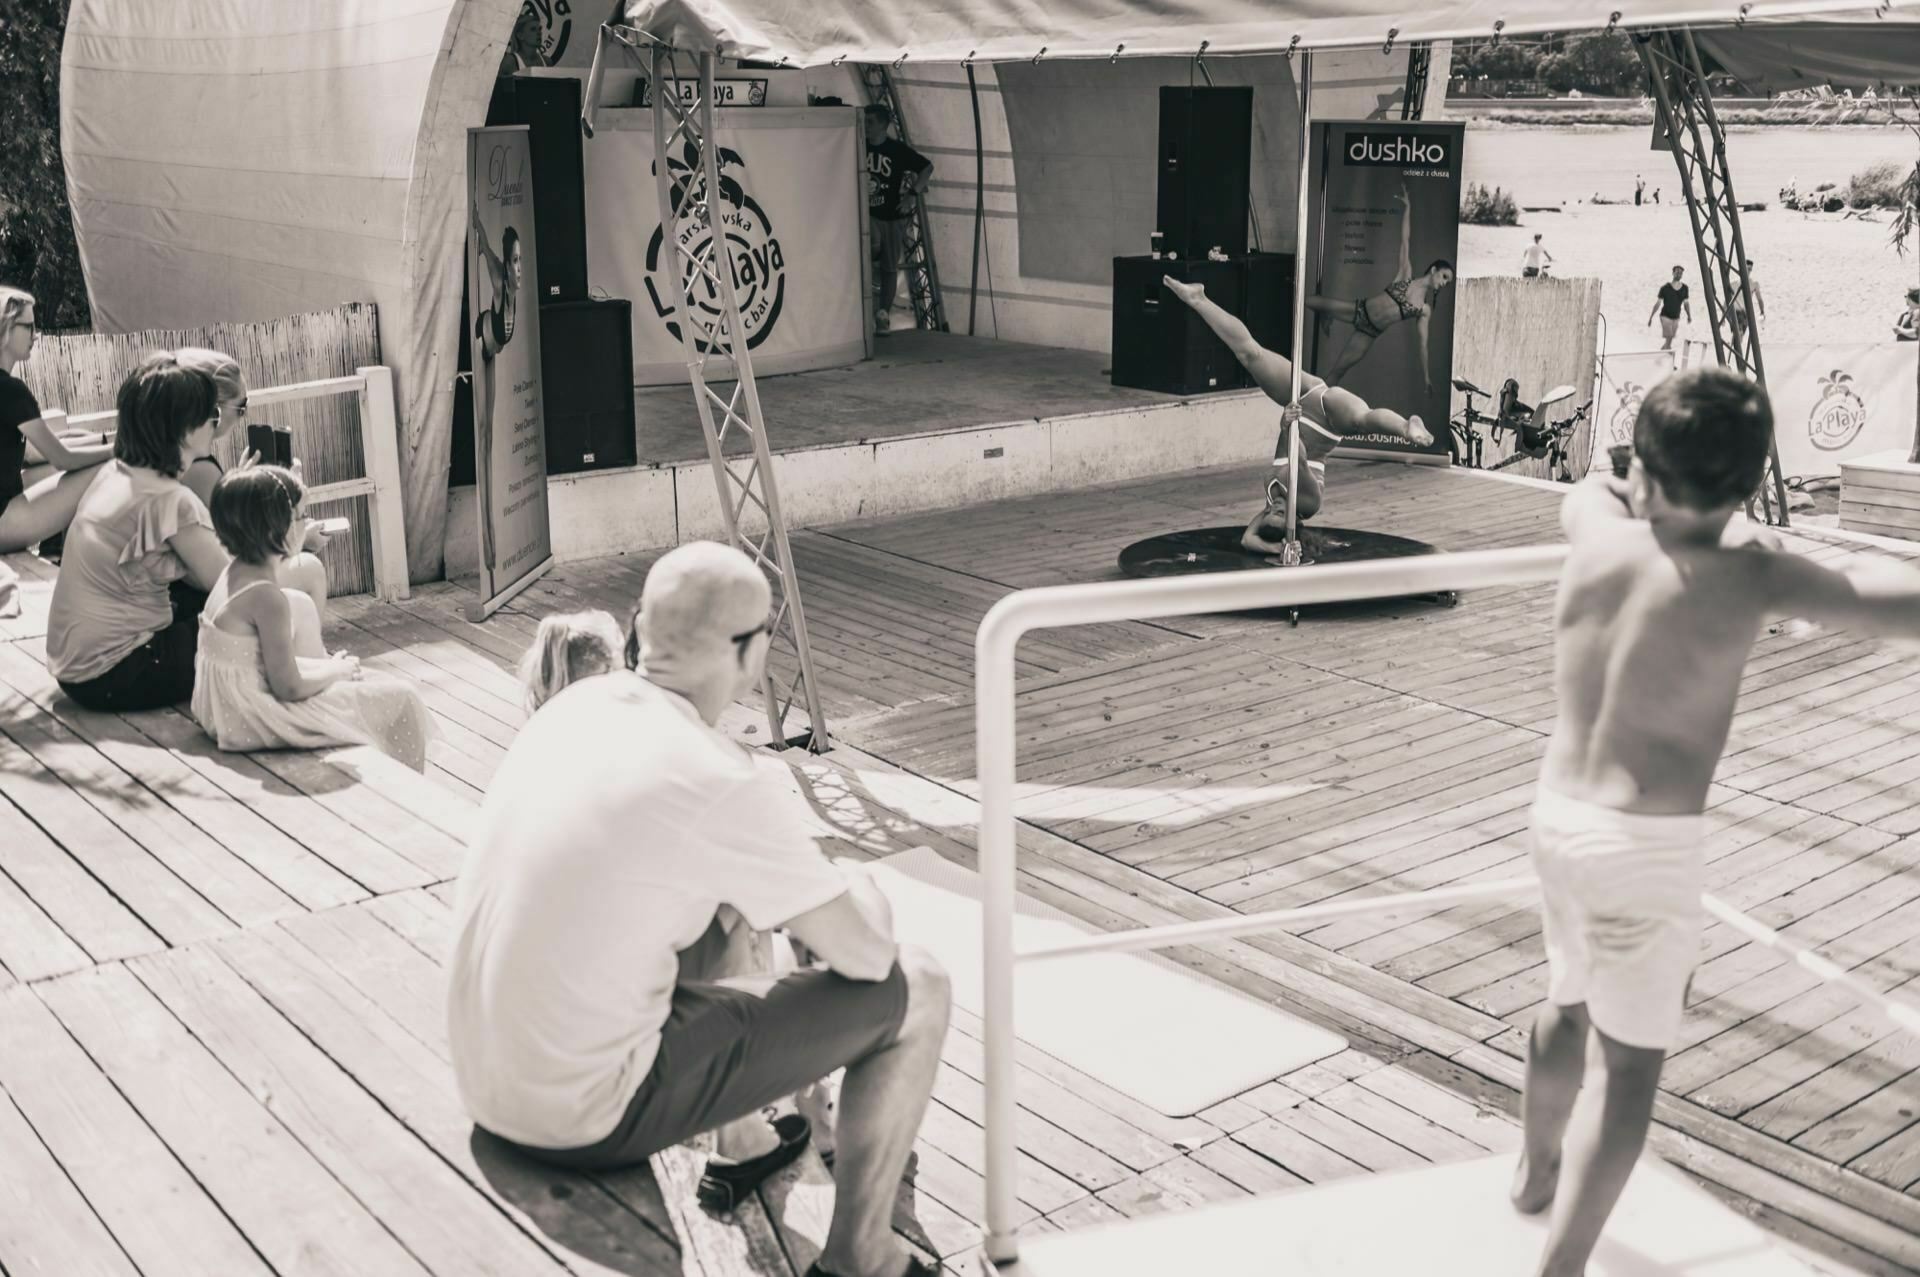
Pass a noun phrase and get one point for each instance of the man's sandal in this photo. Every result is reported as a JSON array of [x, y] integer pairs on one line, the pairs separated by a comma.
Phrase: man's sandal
[[916, 1267], [723, 1185]]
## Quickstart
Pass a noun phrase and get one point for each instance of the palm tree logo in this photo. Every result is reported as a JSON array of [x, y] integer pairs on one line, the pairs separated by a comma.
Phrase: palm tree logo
[[1838, 416], [686, 175]]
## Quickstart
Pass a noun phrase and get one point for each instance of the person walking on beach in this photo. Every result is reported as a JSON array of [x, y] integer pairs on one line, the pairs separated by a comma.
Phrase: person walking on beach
[[1639, 189], [1669, 305], [1535, 259], [1737, 304]]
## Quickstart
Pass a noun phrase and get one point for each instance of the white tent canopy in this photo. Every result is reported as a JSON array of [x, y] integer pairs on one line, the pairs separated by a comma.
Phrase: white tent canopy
[[817, 32]]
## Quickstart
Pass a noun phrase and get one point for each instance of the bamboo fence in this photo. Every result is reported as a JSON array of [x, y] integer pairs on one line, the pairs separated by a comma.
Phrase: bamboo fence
[[1543, 333], [82, 373]]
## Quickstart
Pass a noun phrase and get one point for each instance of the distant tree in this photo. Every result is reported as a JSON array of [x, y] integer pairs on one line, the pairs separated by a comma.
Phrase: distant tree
[[1604, 62], [37, 248]]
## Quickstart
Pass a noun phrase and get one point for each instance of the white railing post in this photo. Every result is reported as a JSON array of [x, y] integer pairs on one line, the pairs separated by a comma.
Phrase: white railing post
[[995, 762], [993, 647], [386, 521]]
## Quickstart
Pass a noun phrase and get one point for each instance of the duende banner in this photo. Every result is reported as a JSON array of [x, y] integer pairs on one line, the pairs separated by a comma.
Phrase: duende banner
[[1383, 236], [509, 425], [789, 206]]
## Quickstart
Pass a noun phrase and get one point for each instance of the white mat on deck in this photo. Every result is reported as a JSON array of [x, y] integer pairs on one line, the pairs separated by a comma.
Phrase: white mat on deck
[[1175, 1041], [1441, 1221]]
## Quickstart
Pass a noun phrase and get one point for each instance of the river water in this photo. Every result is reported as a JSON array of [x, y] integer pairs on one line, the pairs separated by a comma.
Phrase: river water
[[1548, 166]]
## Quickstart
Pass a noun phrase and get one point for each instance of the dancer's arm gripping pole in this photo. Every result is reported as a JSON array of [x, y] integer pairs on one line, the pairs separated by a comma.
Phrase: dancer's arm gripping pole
[[1292, 554]]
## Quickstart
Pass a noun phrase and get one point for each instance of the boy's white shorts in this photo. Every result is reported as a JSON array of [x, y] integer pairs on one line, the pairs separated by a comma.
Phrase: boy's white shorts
[[1620, 914]]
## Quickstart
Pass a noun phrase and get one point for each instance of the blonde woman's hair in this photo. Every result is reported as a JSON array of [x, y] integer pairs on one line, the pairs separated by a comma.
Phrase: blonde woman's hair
[[228, 381], [14, 303], [566, 649]]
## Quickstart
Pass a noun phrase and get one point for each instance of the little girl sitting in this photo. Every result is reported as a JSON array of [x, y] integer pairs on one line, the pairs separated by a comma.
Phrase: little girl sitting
[[567, 648], [263, 678]]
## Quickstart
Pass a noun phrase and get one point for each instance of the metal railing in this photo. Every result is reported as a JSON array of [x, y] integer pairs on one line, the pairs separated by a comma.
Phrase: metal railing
[[380, 444], [994, 741]]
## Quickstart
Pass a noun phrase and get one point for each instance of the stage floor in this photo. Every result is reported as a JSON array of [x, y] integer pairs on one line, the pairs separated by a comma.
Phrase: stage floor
[[918, 382]]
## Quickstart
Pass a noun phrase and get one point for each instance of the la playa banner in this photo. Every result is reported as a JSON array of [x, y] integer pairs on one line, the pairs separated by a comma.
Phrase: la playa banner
[[1383, 236]]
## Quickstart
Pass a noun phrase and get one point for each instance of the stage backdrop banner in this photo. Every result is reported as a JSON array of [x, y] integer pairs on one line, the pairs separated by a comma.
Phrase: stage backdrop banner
[[1837, 403], [1624, 382], [510, 435], [1386, 206], [790, 199]]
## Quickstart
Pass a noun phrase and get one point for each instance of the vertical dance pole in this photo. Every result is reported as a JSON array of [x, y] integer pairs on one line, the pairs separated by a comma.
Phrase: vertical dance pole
[[1290, 557]]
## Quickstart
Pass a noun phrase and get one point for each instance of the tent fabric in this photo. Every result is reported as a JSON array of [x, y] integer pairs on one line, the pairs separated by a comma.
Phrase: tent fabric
[[817, 32], [238, 161], [1866, 54]]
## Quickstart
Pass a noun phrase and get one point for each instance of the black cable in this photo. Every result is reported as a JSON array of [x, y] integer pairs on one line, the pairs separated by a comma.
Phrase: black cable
[[979, 198]]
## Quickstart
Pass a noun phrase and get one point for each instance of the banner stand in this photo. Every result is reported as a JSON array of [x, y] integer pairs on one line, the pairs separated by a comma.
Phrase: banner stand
[[509, 416], [1380, 272]]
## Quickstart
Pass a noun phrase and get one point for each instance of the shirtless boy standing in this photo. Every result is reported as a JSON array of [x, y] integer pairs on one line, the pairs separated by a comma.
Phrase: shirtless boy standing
[[1659, 602]]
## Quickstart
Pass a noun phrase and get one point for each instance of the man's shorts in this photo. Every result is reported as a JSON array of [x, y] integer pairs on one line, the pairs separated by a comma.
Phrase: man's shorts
[[1530, 272], [730, 1049], [1620, 914], [1668, 327]]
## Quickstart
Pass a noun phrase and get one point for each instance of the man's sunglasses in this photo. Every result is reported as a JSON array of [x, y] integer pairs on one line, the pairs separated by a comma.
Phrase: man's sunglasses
[[765, 627], [632, 652]]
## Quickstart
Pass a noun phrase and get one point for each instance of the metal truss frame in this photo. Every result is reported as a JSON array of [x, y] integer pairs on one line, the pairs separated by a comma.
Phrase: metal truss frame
[[923, 277], [708, 316], [1419, 63], [1684, 105]]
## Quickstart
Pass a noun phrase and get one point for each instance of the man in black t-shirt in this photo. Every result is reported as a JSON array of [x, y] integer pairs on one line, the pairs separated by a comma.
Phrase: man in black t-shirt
[[896, 174], [1671, 302]]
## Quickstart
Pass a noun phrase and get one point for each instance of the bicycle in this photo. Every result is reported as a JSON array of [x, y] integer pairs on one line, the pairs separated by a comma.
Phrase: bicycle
[[1465, 443], [1551, 441]]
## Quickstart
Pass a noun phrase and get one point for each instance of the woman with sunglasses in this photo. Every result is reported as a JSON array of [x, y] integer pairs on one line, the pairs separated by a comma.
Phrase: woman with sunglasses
[[300, 570], [36, 501]]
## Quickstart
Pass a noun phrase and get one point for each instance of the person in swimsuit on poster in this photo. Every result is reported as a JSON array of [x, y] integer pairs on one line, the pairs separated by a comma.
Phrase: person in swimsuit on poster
[[494, 329], [1328, 416], [1409, 296]]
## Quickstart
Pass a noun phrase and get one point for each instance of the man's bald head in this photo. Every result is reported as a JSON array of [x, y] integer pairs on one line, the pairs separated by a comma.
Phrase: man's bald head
[[696, 598]]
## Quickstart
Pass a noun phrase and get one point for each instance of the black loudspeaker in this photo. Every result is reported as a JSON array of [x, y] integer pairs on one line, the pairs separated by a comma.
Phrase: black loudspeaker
[[1159, 343], [1206, 150], [550, 108], [1269, 293], [586, 381]]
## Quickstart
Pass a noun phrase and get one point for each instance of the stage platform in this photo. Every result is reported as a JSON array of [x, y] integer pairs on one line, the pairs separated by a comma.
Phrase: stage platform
[[221, 1004], [933, 421]]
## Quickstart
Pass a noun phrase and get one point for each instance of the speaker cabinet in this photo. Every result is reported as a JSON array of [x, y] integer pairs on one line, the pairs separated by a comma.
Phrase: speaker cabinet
[[550, 108], [586, 380], [1159, 343], [1206, 150], [1269, 293]]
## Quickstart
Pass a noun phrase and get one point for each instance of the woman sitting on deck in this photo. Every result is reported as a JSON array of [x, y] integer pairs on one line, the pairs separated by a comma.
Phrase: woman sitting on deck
[[1328, 416], [36, 501]]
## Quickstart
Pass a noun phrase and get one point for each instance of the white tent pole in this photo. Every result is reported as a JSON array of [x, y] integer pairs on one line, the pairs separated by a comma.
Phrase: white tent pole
[[1299, 301]]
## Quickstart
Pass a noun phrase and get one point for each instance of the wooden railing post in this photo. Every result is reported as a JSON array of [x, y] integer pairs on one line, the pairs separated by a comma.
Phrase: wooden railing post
[[380, 438]]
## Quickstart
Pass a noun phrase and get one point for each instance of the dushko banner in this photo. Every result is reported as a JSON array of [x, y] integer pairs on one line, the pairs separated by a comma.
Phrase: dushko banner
[[1383, 237], [509, 425]]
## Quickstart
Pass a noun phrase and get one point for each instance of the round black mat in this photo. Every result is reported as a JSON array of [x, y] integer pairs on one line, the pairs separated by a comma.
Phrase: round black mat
[[1219, 550]]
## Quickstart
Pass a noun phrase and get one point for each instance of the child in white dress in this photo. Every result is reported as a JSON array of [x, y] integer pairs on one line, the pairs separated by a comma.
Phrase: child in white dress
[[263, 678], [567, 648]]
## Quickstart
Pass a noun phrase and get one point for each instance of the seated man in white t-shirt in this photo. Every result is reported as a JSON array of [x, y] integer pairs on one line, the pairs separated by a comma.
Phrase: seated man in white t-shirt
[[595, 1012]]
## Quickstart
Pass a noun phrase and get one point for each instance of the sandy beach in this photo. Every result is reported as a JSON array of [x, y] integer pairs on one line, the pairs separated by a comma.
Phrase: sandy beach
[[1824, 279]]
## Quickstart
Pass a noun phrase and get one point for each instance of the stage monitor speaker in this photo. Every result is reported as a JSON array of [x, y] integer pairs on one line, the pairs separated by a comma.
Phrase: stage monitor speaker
[[1206, 152], [586, 380], [1269, 294], [550, 108], [1159, 343]]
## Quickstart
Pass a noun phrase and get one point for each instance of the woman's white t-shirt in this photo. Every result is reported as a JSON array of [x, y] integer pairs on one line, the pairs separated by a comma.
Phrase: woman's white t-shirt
[[616, 826]]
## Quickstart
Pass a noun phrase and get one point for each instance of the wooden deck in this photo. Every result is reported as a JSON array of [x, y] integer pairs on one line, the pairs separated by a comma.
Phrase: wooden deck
[[221, 1038]]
